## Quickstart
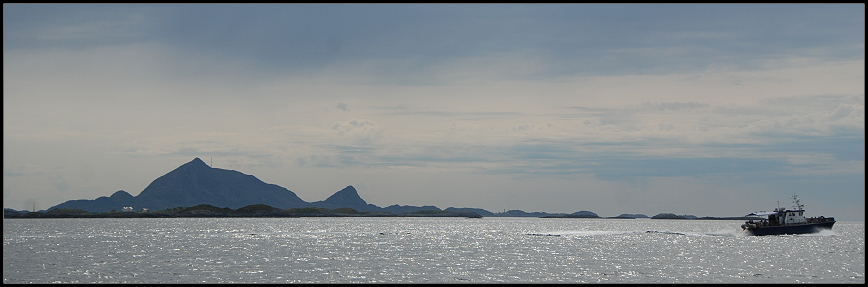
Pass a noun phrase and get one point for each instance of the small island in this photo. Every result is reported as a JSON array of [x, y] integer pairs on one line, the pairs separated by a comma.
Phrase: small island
[[579, 214], [668, 216]]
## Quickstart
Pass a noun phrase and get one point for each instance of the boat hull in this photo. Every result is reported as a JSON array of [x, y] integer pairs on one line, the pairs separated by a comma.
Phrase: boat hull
[[790, 229]]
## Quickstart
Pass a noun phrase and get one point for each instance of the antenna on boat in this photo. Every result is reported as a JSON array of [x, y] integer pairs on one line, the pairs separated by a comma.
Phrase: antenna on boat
[[797, 205]]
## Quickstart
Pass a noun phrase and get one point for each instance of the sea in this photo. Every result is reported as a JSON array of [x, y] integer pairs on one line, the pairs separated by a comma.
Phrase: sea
[[422, 250]]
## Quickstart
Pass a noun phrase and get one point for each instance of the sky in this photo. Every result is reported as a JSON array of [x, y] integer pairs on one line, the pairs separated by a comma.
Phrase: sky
[[707, 110]]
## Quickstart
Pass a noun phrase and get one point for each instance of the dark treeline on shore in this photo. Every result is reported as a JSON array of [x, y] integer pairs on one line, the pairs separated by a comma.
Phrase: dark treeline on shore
[[256, 210], [262, 210]]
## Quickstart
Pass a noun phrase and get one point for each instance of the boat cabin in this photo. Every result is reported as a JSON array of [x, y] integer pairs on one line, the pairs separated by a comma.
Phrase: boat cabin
[[785, 217]]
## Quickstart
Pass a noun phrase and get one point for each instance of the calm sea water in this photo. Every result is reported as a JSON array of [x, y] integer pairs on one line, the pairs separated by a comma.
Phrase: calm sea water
[[422, 250]]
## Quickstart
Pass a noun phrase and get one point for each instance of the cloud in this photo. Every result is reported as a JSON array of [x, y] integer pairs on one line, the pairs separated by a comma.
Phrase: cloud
[[559, 39], [530, 127], [674, 106], [822, 123], [354, 125], [342, 106], [363, 132]]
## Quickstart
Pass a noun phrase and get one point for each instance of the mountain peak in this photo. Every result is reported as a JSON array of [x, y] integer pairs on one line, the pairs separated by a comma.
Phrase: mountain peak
[[346, 197], [197, 162], [120, 194]]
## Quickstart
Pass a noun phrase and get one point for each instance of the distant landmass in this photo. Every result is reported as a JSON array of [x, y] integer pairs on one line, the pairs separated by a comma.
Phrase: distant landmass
[[627, 215], [256, 210], [232, 193], [195, 183], [579, 214], [673, 216], [192, 184]]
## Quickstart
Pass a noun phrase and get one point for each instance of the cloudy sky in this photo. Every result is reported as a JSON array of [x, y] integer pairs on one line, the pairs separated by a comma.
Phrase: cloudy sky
[[710, 110]]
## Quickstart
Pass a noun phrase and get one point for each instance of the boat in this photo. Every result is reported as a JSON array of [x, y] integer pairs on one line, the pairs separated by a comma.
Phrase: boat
[[786, 221]]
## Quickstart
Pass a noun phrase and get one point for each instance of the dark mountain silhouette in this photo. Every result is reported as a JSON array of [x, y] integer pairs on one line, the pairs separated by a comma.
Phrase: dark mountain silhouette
[[628, 215], [578, 214], [114, 202], [195, 183], [408, 208], [479, 211], [347, 197]]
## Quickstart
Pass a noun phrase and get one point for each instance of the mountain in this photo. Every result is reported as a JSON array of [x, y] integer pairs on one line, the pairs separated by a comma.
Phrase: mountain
[[667, 216], [584, 214], [116, 201], [347, 197], [197, 183], [479, 211], [192, 184], [394, 208], [628, 215]]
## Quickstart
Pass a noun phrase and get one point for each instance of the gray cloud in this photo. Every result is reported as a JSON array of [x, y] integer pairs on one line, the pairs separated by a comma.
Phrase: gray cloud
[[674, 106], [569, 39]]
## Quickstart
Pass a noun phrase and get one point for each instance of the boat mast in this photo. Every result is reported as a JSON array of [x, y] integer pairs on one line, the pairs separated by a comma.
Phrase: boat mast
[[797, 205]]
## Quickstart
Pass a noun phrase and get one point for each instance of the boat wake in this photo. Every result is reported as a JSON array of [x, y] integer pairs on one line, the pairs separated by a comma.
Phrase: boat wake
[[584, 233], [722, 233], [719, 233], [821, 233]]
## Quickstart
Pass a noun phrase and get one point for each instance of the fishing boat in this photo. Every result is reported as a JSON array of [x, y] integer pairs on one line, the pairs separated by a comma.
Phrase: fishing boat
[[786, 221]]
